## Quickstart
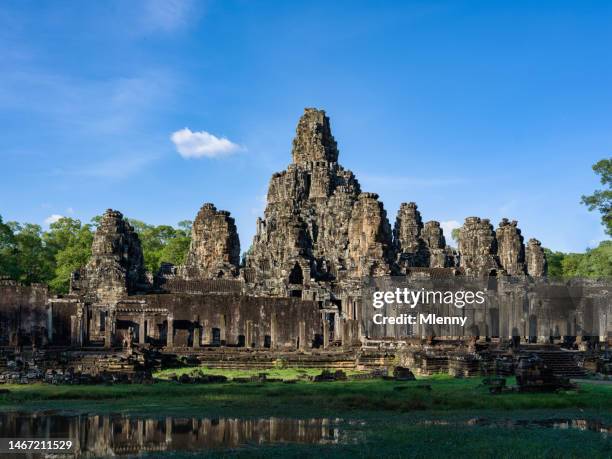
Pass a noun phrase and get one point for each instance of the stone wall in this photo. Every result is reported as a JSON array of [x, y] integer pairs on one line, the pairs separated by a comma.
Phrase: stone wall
[[529, 307], [23, 314], [237, 319]]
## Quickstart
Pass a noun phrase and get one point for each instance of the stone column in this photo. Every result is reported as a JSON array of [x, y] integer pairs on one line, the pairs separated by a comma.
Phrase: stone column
[[325, 332], [349, 328], [222, 330], [50, 322], [338, 327], [207, 331], [73, 330], [168, 430], [248, 334], [108, 331], [302, 335], [273, 331], [196, 336], [142, 330], [170, 331], [348, 333]]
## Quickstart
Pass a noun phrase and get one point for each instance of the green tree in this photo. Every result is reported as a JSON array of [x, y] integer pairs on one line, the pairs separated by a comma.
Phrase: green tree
[[185, 226], [596, 262], [601, 200], [163, 243], [571, 263], [455, 234], [70, 243], [175, 251], [60, 234], [555, 262], [35, 262], [8, 251]]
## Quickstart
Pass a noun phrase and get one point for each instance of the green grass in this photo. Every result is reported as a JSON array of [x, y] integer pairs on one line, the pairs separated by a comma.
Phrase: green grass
[[439, 393], [276, 373]]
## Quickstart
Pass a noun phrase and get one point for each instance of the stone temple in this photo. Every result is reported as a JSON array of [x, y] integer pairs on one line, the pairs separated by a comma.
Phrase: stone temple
[[299, 290]]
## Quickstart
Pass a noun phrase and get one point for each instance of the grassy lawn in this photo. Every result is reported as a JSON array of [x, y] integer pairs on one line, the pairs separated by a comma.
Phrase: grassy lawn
[[303, 398], [276, 373]]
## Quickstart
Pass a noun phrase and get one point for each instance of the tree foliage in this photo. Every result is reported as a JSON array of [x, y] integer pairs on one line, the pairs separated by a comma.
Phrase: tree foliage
[[163, 243], [601, 200], [596, 262], [70, 243], [455, 233], [28, 254]]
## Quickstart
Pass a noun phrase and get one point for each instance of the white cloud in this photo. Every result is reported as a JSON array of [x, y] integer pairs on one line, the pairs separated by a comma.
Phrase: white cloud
[[200, 144], [52, 218], [448, 227]]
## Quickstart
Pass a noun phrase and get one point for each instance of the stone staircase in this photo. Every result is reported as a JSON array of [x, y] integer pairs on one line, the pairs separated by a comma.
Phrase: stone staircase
[[254, 360], [561, 362], [370, 360]]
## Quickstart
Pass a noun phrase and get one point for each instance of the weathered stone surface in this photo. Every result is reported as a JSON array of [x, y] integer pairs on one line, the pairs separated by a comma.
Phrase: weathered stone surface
[[116, 267], [403, 374], [23, 313], [318, 228], [536, 260], [510, 248], [215, 248], [408, 243], [304, 232], [437, 253], [314, 140], [370, 243], [319, 235], [478, 247]]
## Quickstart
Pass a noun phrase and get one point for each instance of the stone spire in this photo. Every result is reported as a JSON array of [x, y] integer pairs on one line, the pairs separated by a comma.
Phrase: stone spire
[[309, 206], [408, 243], [438, 255], [313, 139], [370, 242], [116, 266], [215, 248], [510, 248], [478, 247], [536, 259]]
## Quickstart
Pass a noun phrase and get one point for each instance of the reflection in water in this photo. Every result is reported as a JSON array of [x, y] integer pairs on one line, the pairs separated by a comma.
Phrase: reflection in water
[[108, 435], [592, 425], [122, 435]]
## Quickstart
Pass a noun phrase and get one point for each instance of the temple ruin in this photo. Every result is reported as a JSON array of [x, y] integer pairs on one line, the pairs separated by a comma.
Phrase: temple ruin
[[299, 289]]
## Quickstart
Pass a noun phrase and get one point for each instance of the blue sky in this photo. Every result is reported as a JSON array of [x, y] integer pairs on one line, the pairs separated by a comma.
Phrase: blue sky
[[493, 109]]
